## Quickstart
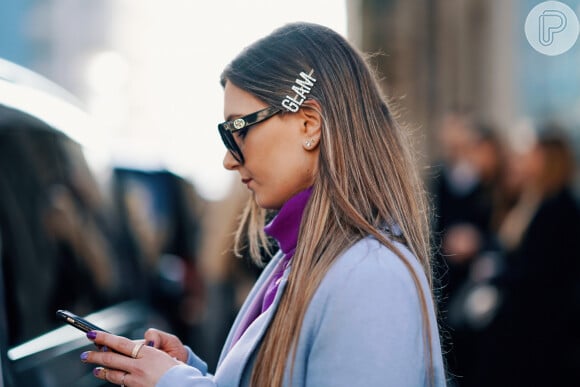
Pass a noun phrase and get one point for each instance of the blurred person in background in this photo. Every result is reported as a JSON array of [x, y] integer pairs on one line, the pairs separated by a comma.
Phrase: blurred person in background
[[534, 338], [465, 190], [53, 220], [465, 194], [348, 300]]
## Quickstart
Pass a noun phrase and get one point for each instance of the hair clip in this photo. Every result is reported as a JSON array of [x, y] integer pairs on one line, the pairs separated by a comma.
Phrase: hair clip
[[301, 88]]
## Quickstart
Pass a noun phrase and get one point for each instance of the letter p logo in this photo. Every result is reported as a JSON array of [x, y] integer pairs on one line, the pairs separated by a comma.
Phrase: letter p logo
[[551, 22], [552, 28]]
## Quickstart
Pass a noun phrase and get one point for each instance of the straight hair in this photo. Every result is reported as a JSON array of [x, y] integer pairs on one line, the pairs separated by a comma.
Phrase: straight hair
[[366, 183]]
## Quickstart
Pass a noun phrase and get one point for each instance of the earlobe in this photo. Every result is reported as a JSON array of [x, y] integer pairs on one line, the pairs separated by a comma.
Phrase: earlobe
[[311, 114], [310, 143]]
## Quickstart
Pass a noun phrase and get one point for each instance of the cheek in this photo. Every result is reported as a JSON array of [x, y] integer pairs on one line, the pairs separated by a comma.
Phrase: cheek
[[272, 184], [277, 179], [279, 165], [291, 177]]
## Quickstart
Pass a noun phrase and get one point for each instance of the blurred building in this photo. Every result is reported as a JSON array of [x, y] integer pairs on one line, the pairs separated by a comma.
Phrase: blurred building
[[38, 34], [441, 55], [433, 56]]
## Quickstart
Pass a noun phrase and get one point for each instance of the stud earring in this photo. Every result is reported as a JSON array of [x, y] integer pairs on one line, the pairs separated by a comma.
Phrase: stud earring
[[310, 142]]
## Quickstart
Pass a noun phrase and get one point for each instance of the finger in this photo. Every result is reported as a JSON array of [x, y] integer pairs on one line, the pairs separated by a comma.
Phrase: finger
[[111, 375], [110, 360], [166, 342], [118, 344], [153, 338]]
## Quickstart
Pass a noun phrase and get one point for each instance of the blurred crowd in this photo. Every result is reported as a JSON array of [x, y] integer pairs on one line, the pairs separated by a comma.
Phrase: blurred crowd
[[507, 239]]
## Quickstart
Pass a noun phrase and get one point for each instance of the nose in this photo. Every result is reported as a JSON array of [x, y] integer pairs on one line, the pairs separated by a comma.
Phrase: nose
[[230, 162]]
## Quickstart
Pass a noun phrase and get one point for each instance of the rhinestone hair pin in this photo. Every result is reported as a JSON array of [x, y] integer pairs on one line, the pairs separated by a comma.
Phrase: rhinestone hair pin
[[301, 88]]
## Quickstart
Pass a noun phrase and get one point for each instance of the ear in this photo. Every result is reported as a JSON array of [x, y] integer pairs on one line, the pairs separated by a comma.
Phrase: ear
[[311, 116]]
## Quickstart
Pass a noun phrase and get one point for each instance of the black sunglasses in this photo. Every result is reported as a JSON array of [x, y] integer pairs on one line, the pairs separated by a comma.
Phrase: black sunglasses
[[228, 128]]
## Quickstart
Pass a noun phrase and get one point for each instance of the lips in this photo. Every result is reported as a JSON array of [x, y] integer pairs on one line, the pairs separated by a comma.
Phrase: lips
[[246, 181]]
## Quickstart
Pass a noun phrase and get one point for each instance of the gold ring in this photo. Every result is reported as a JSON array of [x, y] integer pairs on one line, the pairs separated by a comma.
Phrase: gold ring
[[105, 374], [136, 350]]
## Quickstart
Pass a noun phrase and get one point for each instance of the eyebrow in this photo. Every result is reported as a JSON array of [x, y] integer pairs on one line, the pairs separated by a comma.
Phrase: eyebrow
[[233, 116]]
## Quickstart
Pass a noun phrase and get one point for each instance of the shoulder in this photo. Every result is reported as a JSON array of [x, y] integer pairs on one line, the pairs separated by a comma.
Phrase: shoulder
[[369, 263], [371, 279], [368, 307], [561, 209], [561, 202]]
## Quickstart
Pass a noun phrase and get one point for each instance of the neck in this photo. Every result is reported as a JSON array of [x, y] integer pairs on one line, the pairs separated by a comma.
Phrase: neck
[[286, 225]]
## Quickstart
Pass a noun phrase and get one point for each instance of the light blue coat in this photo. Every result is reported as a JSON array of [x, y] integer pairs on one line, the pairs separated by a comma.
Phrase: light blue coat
[[362, 328]]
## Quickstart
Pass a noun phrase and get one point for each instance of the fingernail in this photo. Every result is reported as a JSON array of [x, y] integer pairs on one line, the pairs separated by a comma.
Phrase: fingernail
[[84, 356], [92, 335], [150, 343], [105, 348], [97, 371]]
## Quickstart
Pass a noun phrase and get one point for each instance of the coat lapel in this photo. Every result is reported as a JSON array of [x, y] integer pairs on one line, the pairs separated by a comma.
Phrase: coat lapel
[[235, 355]]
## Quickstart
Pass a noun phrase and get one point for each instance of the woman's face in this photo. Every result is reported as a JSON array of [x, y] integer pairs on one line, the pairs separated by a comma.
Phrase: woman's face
[[278, 164]]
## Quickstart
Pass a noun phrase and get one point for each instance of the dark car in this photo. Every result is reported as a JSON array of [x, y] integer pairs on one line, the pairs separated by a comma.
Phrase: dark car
[[66, 241]]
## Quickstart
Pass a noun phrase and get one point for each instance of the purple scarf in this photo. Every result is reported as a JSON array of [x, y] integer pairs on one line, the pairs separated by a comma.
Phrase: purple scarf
[[284, 228]]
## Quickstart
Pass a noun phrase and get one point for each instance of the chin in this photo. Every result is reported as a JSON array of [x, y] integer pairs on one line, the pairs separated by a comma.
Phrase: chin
[[267, 204]]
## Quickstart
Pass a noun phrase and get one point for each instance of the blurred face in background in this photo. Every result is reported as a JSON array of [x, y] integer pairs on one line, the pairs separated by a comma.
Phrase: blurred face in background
[[455, 138], [486, 157], [533, 165]]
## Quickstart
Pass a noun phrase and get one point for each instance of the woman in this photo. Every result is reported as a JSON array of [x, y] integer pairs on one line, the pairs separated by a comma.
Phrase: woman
[[347, 301], [534, 338]]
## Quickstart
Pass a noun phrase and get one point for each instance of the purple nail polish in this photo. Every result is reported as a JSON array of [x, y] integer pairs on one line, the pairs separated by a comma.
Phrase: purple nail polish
[[84, 356], [97, 371], [92, 335], [150, 343], [104, 348]]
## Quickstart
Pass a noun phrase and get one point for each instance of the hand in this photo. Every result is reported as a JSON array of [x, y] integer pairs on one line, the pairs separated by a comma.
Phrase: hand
[[168, 343], [127, 362]]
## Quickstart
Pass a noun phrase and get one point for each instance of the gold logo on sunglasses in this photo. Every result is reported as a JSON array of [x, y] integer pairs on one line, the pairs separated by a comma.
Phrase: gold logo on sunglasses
[[239, 123]]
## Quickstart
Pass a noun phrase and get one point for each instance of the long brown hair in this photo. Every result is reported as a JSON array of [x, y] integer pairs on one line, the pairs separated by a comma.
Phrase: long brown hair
[[366, 177]]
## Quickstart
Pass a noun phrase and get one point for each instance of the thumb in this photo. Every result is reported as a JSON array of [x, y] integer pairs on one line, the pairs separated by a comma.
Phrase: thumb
[[153, 338]]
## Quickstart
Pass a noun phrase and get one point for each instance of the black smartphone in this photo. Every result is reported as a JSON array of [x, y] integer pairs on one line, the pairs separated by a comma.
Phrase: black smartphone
[[77, 322]]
